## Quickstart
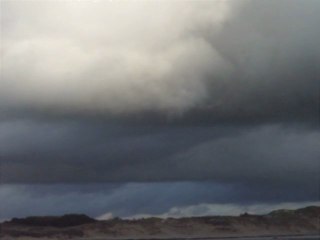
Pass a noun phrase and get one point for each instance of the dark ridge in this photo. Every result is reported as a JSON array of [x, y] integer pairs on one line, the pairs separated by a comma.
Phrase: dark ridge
[[68, 220], [311, 211]]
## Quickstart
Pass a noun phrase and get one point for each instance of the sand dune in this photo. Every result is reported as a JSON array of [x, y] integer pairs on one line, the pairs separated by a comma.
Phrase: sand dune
[[305, 221]]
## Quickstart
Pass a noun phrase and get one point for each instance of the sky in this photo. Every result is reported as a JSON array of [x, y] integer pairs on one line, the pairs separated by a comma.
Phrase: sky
[[158, 108]]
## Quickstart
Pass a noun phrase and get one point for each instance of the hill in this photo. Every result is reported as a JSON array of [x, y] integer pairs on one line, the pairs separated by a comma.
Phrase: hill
[[305, 221]]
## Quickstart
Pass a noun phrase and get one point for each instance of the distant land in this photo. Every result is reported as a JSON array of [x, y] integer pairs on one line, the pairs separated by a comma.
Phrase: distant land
[[274, 225]]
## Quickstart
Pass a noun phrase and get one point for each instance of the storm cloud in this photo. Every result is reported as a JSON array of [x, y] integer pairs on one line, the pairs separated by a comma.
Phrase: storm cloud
[[219, 60], [81, 153], [221, 97]]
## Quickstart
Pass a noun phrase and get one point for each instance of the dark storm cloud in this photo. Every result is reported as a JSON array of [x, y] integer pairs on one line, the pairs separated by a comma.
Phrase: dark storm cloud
[[74, 152], [55, 150]]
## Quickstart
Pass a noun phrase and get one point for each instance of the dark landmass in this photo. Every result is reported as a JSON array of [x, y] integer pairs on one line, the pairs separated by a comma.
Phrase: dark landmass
[[305, 221], [68, 220]]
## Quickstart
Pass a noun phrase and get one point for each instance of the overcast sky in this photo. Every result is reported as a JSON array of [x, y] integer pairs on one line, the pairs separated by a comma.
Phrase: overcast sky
[[159, 107]]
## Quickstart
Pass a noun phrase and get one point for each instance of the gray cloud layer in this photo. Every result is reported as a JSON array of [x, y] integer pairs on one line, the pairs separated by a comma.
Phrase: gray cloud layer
[[77, 152]]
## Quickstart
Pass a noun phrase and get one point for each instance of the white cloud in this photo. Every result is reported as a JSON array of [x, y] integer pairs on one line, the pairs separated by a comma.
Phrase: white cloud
[[106, 216], [231, 58], [107, 56], [207, 209]]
